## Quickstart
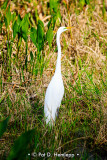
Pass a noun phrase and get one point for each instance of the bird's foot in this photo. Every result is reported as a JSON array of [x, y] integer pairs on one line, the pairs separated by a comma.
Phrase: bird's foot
[[57, 112]]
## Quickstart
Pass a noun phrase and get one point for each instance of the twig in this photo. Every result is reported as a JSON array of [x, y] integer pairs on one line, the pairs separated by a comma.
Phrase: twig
[[3, 96], [72, 141]]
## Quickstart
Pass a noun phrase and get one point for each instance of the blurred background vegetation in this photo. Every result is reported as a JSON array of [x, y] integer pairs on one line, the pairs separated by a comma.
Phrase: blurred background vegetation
[[28, 55]]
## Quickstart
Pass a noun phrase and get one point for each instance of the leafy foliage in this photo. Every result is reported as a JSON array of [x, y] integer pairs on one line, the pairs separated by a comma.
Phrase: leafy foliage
[[40, 35], [49, 36], [4, 4], [33, 35], [55, 12], [7, 18], [3, 126], [21, 146], [20, 27]]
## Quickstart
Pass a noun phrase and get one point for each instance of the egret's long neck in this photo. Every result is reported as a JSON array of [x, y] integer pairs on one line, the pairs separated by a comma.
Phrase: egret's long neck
[[58, 64]]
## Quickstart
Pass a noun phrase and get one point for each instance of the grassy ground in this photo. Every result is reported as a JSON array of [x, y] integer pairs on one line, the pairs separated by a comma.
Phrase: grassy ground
[[81, 125]]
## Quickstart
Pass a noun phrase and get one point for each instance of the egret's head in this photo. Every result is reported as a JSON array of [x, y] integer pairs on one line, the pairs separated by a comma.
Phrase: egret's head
[[62, 29]]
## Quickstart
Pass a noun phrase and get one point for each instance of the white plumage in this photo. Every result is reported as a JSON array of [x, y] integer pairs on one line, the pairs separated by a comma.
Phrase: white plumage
[[55, 90]]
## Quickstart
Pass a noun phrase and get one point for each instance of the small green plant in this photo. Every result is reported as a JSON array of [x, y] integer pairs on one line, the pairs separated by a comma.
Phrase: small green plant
[[49, 36], [20, 28], [55, 13], [7, 20], [84, 2], [38, 38], [3, 126], [21, 146], [104, 10]]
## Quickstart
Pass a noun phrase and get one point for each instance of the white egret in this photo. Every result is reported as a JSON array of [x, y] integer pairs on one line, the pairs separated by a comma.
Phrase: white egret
[[55, 90]]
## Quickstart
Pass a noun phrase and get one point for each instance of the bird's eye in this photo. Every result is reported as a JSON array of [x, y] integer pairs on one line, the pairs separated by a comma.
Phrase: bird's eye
[[64, 27]]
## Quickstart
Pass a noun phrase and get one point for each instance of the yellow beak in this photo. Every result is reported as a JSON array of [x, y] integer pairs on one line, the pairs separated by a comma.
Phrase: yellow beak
[[69, 27], [65, 27]]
